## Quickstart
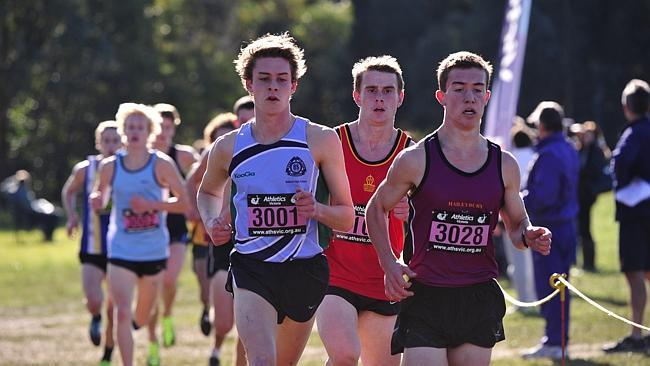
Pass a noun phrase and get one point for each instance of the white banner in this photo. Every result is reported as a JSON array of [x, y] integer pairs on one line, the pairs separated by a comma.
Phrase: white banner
[[502, 107]]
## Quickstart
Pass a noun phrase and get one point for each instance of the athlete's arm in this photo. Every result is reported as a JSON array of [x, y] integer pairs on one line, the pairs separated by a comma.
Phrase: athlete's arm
[[168, 176], [326, 148], [405, 174], [102, 191], [514, 213], [69, 193], [192, 182], [401, 209], [212, 204]]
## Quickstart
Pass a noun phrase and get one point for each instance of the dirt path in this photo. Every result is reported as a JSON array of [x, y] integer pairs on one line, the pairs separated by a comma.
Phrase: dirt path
[[61, 339]]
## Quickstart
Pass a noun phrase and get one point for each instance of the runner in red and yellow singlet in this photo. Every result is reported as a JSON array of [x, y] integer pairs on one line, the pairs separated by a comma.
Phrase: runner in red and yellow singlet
[[356, 318]]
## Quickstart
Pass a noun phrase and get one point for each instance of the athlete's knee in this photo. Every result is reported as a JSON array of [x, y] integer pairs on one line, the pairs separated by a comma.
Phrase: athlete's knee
[[169, 280], [94, 304], [261, 359], [124, 315], [345, 356], [222, 326]]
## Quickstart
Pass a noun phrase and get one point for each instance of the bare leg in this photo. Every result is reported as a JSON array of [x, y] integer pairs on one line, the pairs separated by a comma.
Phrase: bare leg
[[375, 332], [292, 337], [174, 267], [337, 326], [91, 279], [638, 298], [256, 323], [122, 283], [420, 356], [469, 354], [199, 266], [223, 308]]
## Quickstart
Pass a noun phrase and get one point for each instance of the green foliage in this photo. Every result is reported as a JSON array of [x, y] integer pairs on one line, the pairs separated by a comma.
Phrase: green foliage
[[67, 64]]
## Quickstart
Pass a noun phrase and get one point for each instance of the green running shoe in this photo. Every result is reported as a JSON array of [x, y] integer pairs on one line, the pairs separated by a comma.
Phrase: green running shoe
[[154, 355], [169, 335]]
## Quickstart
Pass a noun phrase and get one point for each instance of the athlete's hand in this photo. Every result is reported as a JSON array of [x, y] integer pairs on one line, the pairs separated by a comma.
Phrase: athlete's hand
[[219, 230], [538, 239], [140, 205], [401, 209], [72, 224], [305, 203], [396, 280], [95, 199]]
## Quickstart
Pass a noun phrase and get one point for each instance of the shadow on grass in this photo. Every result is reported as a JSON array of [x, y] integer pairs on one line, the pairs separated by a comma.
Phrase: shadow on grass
[[604, 301], [581, 362]]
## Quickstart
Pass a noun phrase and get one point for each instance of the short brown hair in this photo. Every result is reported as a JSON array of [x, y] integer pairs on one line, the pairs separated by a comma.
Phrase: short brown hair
[[221, 120], [462, 60], [383, 63], [271, 45], [168, 111]]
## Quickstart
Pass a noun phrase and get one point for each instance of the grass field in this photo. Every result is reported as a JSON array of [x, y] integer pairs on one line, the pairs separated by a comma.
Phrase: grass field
[[43, 320]]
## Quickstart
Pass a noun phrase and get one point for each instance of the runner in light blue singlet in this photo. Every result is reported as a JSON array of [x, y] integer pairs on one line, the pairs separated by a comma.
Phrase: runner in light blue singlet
[[131, 236]]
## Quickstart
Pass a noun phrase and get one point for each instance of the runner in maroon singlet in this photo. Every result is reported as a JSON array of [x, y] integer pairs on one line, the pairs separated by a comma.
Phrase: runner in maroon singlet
[[458, 183]]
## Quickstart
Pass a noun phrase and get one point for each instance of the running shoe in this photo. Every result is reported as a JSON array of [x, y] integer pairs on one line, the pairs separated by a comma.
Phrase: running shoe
[[95, 330], [169, 335], [544, 351], [153, 359], [104, 363], [205, 323], [627, 344], [214, 361]]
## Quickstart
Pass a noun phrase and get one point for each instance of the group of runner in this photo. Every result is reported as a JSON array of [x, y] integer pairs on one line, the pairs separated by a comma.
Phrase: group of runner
[[308, 222]]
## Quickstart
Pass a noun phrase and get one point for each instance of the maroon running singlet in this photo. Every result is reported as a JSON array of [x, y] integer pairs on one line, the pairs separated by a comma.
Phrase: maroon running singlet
[[453, 214]]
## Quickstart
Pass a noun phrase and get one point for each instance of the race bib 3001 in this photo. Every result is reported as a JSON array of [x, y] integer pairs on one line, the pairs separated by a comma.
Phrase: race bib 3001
[[273, 215]]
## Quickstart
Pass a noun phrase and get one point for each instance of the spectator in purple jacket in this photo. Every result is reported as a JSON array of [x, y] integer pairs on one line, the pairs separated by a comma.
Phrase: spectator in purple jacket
[[631, 162], [551, 199]]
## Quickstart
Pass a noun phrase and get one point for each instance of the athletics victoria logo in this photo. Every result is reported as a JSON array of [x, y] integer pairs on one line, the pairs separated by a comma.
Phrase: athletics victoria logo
[[296, 167]]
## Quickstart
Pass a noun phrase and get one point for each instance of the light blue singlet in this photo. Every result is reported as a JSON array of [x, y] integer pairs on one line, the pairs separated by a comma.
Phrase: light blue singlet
[[131, 236]]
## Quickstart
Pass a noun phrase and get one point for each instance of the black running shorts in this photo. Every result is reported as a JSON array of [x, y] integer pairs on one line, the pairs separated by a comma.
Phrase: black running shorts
[[97, 260], [447, 317], [219, 258], [144, 268], [177, 228], [634, 245], [295, 288], [364, 303]]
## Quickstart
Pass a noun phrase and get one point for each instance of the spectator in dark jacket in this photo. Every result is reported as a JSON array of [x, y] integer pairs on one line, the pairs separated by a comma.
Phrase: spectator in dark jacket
[[631, 162], [594, 179], [551, 199]]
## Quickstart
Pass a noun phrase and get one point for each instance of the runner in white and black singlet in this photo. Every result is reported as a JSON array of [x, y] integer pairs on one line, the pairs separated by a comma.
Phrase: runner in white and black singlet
[[278, 274], [458, 182]]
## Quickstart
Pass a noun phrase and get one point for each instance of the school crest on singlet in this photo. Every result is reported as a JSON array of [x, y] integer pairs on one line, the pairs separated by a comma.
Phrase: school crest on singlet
[[265, 179], [352, 258]]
